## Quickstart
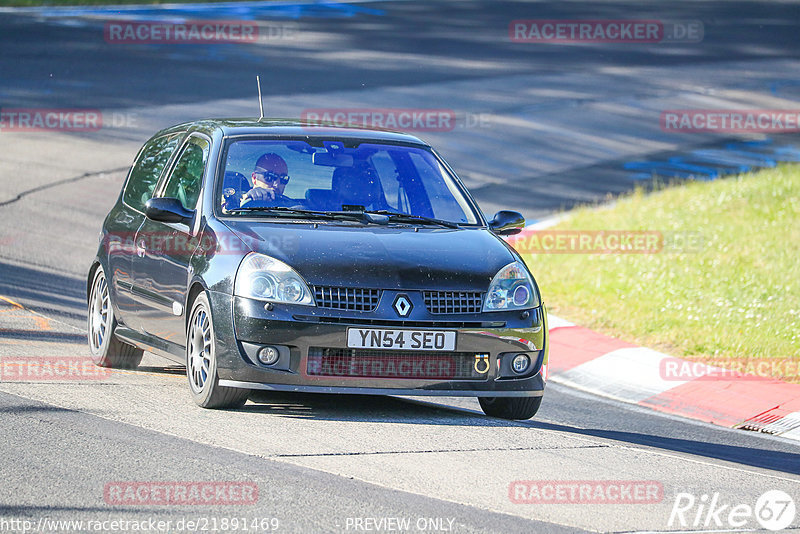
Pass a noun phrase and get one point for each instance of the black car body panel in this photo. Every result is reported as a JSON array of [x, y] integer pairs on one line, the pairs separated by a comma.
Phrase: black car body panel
[[153, 287], [380, 256]]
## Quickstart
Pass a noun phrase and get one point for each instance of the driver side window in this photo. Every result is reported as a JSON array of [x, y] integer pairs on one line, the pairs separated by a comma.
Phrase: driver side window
[[186, 180]]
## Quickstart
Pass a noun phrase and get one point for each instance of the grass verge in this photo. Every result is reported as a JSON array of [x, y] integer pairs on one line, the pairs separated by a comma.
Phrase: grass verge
[[737, 296]]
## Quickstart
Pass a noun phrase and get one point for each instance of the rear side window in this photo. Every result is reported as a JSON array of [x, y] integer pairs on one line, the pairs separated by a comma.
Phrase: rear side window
[[147, 170], [187, 176]]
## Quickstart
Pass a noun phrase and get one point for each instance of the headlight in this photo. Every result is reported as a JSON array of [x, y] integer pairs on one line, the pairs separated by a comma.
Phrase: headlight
[[264, 278], [511, 289]]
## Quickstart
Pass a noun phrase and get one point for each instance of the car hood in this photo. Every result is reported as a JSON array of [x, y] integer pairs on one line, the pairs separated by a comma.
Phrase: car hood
[[386, 257]]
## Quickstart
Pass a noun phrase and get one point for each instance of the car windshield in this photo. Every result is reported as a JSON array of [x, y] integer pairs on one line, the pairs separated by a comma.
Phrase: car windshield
[[336, 175]]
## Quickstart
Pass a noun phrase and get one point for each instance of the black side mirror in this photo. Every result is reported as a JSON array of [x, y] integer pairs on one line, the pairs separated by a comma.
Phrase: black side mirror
[[168, 210], [507, 223]]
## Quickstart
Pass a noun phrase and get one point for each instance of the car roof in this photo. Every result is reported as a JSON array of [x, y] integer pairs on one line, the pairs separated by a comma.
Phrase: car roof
[[289, 127]]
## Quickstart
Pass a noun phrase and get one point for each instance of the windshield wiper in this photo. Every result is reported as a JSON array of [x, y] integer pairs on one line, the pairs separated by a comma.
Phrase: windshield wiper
[[311, 214], [407, 217], [362, 216]]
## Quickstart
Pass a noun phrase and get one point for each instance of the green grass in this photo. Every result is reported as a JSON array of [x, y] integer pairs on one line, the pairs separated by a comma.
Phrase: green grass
[[737, 297]]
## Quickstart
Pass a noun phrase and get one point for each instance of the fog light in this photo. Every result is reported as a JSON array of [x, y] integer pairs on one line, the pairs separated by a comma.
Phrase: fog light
[[520, 363], [268, 355]]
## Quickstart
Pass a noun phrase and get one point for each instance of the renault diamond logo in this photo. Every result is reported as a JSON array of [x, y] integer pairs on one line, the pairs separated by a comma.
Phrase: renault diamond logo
[[402, 306]]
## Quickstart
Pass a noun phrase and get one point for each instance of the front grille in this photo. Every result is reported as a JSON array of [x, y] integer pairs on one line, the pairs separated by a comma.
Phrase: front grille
[[446, 302], [371, 363], [361, 321], [347, 298]]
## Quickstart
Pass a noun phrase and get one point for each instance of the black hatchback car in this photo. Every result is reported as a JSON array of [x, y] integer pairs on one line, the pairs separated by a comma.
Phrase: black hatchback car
[[285, 256]]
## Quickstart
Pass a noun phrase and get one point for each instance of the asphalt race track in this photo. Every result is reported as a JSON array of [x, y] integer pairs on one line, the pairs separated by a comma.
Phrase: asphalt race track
[[539, 128]]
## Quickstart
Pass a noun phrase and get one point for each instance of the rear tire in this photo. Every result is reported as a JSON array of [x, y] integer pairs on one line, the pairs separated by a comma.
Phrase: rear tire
[[510, 407], [201, 362], [105, 348]]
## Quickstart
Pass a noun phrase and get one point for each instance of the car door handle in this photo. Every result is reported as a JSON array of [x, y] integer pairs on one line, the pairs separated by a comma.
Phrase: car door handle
[[140, 248]]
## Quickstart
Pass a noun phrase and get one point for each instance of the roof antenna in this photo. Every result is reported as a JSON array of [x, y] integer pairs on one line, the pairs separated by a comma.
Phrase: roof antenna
[[260, 101]]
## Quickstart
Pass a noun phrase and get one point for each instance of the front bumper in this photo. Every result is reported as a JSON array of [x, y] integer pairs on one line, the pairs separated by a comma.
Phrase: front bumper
[[243, 325]]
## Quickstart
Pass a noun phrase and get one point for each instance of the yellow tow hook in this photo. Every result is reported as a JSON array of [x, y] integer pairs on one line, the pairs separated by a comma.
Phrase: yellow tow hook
[[481, 358]]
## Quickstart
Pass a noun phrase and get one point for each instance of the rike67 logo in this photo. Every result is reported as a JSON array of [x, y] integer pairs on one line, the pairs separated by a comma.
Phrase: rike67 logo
[[774, 510]]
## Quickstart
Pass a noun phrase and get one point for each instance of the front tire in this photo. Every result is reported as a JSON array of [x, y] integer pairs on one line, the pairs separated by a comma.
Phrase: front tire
[[510, 407], [201, 362], [105, 348]]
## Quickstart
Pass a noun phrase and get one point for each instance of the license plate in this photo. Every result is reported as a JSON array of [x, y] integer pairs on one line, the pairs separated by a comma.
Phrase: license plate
[[380, 338]]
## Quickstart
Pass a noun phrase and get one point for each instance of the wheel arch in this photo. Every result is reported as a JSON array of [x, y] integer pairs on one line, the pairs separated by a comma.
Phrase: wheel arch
[[90, 280], [195, 288]]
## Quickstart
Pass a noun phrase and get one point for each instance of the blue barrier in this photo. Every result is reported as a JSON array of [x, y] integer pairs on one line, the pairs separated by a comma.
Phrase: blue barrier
[[788, 150], [722, 168], [709, 164], [731, 156], [672, 169]]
